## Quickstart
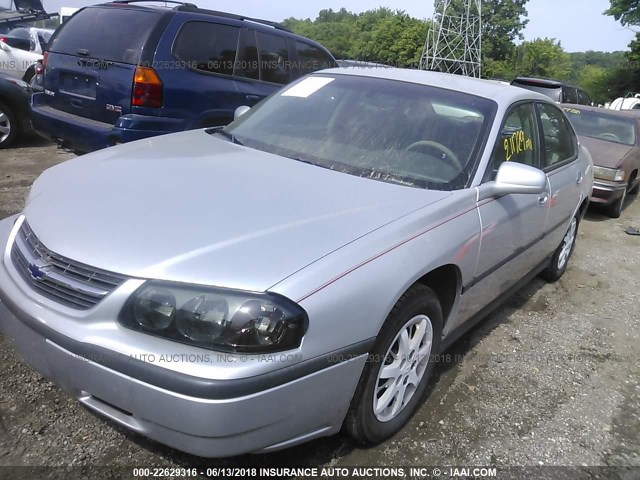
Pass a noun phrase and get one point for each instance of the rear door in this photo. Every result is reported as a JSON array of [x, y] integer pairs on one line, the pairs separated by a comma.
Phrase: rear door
[[560, 162], [93, 56]]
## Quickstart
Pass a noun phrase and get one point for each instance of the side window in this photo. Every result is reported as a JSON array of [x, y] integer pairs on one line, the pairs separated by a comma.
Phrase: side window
[[583, 98], [311, 59], [209, 47], [518, 139], [559, 140], [274, 58], [570, 95]]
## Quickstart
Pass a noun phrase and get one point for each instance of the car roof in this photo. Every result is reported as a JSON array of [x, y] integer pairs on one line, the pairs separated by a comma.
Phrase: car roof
[[550, 82], [606, 111], [498, 92]]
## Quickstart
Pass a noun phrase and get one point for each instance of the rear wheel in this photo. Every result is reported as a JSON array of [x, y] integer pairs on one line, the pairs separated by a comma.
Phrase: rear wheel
[[8, 126], [396, 375], [560, 260]]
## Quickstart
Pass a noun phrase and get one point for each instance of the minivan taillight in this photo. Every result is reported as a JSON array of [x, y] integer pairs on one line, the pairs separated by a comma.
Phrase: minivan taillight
[[44, 58], [147, 88]]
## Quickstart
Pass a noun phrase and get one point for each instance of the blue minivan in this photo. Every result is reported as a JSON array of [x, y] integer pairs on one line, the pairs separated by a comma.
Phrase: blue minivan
[[119, 72]]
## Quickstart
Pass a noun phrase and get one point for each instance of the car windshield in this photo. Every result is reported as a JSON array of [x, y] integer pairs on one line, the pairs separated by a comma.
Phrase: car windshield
[[387, 130], [602, 126]]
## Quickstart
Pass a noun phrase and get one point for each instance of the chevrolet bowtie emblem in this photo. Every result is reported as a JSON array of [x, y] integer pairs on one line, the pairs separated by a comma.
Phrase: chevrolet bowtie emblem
[[38, 269]]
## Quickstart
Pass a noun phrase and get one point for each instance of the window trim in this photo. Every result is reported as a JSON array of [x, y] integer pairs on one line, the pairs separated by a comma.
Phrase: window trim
[[576, 147], [488, 174]]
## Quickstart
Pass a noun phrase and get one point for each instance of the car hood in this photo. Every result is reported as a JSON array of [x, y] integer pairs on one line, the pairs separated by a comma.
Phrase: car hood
[[194, 208], [605, 153]]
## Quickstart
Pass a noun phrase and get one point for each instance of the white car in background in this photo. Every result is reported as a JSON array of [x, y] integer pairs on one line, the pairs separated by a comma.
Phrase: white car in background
[[17, 62]]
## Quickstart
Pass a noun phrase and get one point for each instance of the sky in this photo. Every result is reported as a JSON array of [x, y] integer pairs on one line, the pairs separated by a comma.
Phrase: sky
[[579, 24]]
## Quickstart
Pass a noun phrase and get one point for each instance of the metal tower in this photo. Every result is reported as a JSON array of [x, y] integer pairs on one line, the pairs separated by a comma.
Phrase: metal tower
[[454, 42]]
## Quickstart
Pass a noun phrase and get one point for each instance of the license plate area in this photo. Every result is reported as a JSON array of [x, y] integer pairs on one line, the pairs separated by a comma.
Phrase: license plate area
[[78, 85]]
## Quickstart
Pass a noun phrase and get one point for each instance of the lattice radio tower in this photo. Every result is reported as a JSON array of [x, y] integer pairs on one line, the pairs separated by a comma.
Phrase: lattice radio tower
[[454, 42]]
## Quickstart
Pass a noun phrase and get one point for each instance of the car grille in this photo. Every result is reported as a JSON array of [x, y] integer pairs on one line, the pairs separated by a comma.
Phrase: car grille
[[67, 282]]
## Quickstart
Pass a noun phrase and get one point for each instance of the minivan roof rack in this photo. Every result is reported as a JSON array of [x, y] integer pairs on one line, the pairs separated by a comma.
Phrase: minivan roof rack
[[189, 7], [173, 2]]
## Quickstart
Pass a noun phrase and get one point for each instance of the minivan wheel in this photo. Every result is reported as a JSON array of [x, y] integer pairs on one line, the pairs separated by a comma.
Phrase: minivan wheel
[[397, 372], [560, 260], [8, 126]]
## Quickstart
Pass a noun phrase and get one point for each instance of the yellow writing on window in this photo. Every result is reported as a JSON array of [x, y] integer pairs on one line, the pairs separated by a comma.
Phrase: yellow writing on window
[[516, 144]]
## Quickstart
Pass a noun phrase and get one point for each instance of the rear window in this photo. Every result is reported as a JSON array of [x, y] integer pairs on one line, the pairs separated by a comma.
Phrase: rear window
[[110, 33], [553, 92]]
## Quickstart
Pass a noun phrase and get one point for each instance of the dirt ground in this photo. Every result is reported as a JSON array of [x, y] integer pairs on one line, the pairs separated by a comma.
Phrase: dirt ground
[[552, 378]]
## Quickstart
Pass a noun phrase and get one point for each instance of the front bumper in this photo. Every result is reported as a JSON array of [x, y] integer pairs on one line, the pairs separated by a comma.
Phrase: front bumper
[[201, 416], [605, 193], [86, 135]]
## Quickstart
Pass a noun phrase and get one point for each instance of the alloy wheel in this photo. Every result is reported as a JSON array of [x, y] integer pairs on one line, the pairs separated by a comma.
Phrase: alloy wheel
[[567, 244]]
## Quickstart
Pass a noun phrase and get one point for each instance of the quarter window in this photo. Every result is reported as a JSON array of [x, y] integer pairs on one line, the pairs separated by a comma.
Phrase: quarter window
[[208, 47], [570, 95], [518, 139], [558, 137], [311, 59]]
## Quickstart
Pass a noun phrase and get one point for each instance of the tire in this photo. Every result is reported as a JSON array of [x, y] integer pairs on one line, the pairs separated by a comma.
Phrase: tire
[[560, 259], [615, 209], [8, 126], [636, 189], [417, 313]]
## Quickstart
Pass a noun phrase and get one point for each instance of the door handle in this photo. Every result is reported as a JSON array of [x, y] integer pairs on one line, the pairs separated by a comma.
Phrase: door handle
[[579, 178], [253, 98], [544, 198]]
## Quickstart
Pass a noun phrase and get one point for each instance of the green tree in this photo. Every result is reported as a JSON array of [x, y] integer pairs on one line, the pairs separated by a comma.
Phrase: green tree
[[626, 12], [542, 58]]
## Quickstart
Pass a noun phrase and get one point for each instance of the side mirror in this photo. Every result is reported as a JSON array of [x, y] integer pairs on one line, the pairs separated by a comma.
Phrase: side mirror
[[514, 178], [240, 111]]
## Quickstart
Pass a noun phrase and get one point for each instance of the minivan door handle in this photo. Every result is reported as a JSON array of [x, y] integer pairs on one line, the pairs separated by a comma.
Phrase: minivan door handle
[[579, 178], [253, 98]]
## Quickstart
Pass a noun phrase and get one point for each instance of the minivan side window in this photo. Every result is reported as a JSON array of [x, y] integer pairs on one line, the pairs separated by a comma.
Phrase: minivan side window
[[311, 58], [518, 141], [275, 66], [208, 47], [558, 137], [583, 98]]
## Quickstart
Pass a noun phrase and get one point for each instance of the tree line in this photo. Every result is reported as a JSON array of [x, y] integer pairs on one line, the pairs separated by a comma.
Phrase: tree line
[[393, 37]]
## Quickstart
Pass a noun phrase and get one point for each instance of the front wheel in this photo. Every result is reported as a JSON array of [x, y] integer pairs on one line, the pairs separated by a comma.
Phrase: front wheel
[[615, 209], [396, 375], [8, 126], [560, 260]]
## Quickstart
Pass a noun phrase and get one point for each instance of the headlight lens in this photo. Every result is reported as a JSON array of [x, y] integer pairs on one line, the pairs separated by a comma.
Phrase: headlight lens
[[216, 319], [610, 174]]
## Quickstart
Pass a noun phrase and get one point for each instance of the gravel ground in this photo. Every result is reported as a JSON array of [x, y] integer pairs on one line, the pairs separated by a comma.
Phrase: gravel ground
[[552, 378]]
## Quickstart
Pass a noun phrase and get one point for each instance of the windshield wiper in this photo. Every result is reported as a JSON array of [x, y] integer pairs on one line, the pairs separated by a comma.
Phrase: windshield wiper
[[228, 136]]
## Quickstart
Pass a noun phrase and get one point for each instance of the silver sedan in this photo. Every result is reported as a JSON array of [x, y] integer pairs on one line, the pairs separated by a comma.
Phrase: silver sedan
[[248, 288]]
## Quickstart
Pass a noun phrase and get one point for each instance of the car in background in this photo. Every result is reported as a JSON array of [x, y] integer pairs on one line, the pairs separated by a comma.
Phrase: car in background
[[15, 57], [252, 287], [15, 117], [557, 91], [613, 141], [629, 102], [32, 38], [119, 72]]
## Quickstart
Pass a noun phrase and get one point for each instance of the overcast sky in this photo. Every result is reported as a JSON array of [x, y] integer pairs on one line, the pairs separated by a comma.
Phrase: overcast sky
[[578, 24]]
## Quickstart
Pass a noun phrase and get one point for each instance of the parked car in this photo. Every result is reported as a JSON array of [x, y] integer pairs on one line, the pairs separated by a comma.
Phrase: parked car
[[16, 59], [119, 72], [630, 102], [15, 118], [252, 287], [33, 39], [613, 141], [558, 91]]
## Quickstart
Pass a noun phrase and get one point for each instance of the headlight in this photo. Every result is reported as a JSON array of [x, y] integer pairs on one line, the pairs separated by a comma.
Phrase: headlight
[[611, 174], [216, 319]]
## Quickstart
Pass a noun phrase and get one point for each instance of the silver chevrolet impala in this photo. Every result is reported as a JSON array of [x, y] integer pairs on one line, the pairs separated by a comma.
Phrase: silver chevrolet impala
[[248, 288]]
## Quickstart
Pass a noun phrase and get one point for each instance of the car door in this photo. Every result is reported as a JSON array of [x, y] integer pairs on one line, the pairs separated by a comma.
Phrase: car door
[[560, 163], [512, 225]]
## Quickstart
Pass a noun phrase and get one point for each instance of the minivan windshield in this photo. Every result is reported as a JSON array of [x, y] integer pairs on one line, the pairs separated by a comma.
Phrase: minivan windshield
[[399, 132], [108, 33]]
